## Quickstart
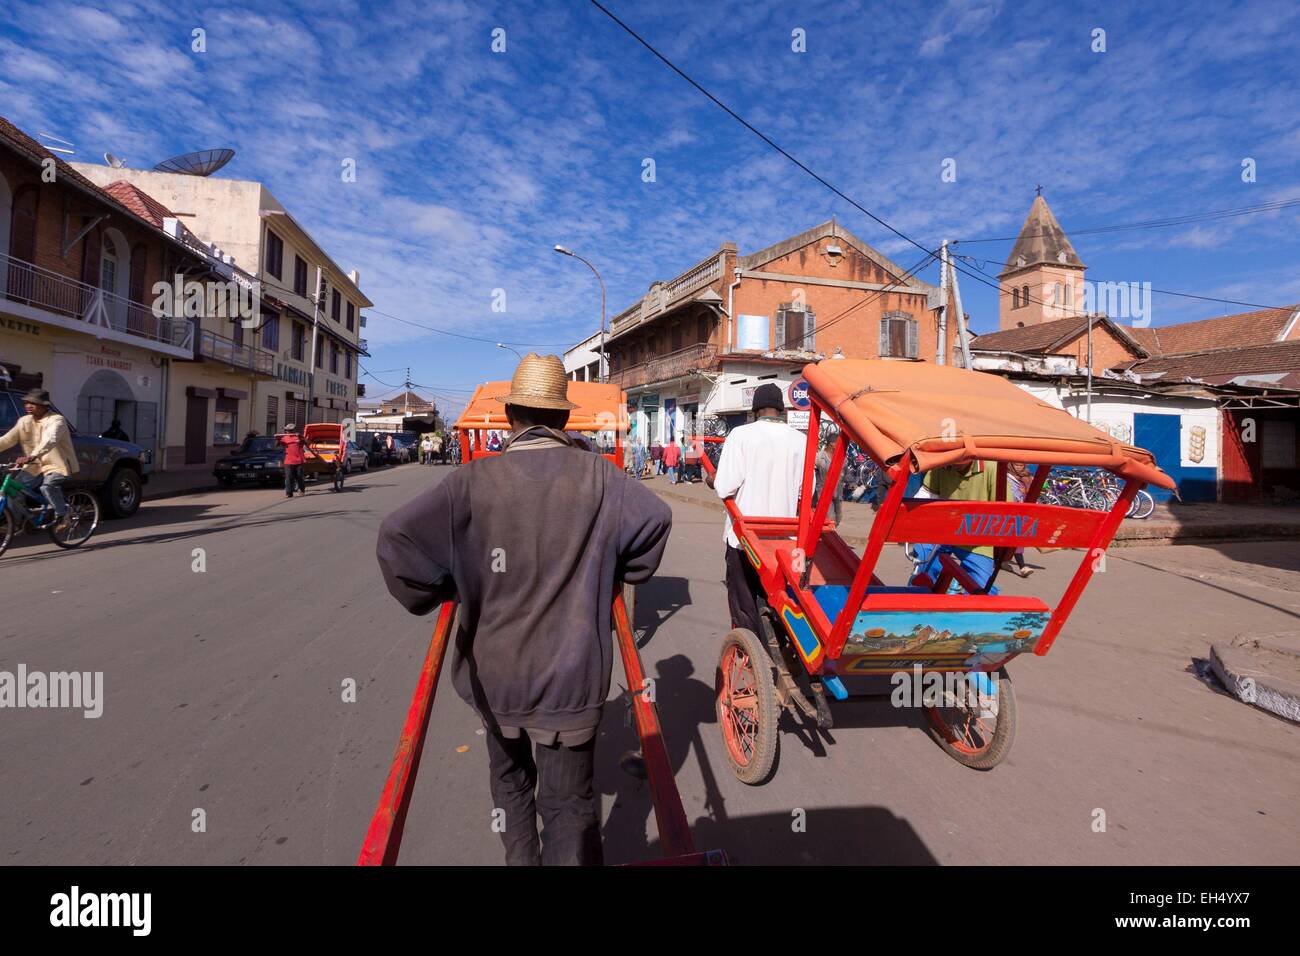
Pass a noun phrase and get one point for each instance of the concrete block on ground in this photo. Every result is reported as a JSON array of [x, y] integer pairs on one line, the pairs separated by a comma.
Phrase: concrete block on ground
[[1263, 671]]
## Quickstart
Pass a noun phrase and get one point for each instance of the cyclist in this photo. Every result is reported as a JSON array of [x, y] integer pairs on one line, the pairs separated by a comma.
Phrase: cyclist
[[48, 457]]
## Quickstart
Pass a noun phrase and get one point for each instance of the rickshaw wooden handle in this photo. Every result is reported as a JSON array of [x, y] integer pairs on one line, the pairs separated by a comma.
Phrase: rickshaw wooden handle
[[670, 816], [384, 837]]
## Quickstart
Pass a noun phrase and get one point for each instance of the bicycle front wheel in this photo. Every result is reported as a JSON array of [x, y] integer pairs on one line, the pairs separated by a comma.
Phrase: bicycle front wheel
[[6, 529], [1143, 505], [79, 523]]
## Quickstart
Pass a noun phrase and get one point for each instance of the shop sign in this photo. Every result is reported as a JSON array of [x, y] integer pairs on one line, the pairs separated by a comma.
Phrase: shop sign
[[17, 325]]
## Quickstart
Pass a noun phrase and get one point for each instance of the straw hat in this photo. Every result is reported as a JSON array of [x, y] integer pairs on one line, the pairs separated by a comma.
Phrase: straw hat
[[539, 382]]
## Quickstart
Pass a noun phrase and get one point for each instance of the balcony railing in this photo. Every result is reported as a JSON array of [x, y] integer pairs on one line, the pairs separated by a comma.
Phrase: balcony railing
[[221, 349], [662, 368], [665, 295], [42, 289]]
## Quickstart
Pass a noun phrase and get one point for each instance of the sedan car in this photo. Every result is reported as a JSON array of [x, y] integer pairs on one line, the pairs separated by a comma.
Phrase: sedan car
[[260, 458]]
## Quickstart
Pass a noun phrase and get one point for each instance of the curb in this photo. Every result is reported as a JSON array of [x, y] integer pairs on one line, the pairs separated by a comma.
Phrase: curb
[[1244, 668]]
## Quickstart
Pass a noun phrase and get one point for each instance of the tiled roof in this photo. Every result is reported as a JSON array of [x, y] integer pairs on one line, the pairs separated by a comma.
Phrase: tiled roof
[[1041, 240], [15, 138], [406, 398], [139, 202], [1032, 338], [1229, 331], [1046, 337], [1278, 360]]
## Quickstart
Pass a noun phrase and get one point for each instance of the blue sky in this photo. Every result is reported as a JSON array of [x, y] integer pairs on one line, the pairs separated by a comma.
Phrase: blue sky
[[472, 164]]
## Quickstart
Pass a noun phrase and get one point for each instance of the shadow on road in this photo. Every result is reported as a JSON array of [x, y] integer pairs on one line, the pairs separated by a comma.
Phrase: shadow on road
[[658, 600]]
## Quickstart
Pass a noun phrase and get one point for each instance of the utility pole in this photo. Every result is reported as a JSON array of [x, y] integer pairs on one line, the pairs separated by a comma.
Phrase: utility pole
[[406, 395], [315, 323], [942, 357], [948, 280], [1089, 368]]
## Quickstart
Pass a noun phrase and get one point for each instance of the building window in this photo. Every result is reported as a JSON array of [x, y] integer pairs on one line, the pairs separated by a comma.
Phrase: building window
[[300, 276], [898, 336], [347, 365], [299, 342], [274, 254], [352, 316], [1024, 295], [334, 359], [272, 414], [335, 300], [271, 331], [1015, 298], [795, 328], [320, 355], [224, 424], [702, 328]]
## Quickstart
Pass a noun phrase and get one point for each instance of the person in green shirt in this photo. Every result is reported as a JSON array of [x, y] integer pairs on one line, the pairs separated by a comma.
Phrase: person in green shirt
[[976, 481]]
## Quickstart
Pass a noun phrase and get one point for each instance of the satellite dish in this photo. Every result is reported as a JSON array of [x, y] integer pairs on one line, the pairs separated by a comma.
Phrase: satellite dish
[[203, 162], [114, 161]]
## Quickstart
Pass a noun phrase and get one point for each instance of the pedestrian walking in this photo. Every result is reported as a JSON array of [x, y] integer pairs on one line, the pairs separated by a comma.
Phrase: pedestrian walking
[[656, 458], [294, 456], [672, 459], [530, 541]]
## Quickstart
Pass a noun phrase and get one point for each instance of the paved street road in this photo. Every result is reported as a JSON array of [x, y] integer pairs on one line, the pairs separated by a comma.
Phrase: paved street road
[[223, 693]]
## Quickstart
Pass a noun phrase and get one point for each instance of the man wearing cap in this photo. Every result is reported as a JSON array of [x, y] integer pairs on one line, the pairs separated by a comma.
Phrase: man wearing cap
[[48, 456], [762, 468], [295, 456], [533, 543]]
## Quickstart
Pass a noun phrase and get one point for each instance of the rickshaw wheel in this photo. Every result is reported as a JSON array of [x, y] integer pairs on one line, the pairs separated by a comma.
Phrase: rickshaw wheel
[[980, 743], [746, 706]]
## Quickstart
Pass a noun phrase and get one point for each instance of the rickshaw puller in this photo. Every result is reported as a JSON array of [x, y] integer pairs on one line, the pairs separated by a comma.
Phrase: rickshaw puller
[[532, 542]]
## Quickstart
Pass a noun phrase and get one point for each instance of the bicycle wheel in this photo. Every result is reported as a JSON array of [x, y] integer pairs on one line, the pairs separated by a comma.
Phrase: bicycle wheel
[[6, 530], [1094, 498], [1143, 505], [80, 522]]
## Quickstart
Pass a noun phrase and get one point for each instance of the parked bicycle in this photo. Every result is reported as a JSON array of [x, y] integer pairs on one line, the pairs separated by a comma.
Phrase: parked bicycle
[[23, 509]]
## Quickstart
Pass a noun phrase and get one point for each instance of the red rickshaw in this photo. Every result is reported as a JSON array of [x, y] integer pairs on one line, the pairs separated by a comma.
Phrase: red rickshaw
[[828, 618]]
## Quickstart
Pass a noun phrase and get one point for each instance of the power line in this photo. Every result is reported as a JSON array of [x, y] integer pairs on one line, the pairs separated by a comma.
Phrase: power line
[[1158, 223], [766, 139], [977, 276], [461, 335]]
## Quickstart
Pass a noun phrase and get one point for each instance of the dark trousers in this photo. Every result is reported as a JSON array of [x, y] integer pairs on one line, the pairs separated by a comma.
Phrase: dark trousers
[[557, 786], [742, 586], [293, 476]]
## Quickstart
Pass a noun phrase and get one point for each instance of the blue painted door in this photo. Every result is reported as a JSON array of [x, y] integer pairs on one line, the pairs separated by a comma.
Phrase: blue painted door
[[1162, 436]]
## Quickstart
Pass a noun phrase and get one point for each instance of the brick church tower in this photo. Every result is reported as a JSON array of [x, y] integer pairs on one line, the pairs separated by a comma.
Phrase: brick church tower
[[1043, 278]]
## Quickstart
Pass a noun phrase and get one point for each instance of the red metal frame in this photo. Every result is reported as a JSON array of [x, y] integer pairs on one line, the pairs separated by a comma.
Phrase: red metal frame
[[1005, 524], [384, 835]]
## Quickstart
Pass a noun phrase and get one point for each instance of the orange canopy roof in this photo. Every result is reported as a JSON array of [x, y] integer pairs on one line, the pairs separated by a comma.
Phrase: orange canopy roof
[[601, 407], [941, 415]]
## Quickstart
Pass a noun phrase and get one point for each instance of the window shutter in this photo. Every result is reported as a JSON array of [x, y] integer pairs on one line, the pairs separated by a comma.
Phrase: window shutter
[[780, 331], [912, 350], [884, 338], [810, 331]]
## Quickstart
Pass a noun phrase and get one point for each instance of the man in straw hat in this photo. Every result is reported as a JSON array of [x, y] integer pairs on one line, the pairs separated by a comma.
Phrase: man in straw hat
[[533, 542], [48, 456]]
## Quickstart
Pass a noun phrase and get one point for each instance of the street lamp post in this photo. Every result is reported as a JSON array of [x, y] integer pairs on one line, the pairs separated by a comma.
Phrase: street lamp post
[[604, 361], [502, 345]]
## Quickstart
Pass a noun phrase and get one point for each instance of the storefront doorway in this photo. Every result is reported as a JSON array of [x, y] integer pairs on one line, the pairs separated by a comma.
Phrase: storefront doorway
[[106, 397]]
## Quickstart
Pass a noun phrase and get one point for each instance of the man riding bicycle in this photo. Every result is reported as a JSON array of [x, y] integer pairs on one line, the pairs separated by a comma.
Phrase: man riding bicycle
[[48, 456]]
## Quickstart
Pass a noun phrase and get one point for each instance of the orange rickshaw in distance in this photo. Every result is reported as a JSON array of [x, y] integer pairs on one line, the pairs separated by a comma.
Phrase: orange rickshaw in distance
[[602, 407]]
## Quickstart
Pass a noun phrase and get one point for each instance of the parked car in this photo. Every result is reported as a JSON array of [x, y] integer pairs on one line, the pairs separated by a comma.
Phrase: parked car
[[114, 471], [372, 444], [260, 458], [404, 447]]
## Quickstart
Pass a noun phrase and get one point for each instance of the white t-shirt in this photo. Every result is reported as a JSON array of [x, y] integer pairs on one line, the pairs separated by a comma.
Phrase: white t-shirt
[[762, 466]]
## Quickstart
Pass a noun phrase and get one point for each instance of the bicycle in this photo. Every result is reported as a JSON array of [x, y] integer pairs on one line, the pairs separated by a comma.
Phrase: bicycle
[[15, 515]]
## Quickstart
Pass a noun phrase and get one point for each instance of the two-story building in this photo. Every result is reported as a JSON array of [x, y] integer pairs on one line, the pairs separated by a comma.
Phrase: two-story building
[[309, 308], [77, 316], [700, 343]]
